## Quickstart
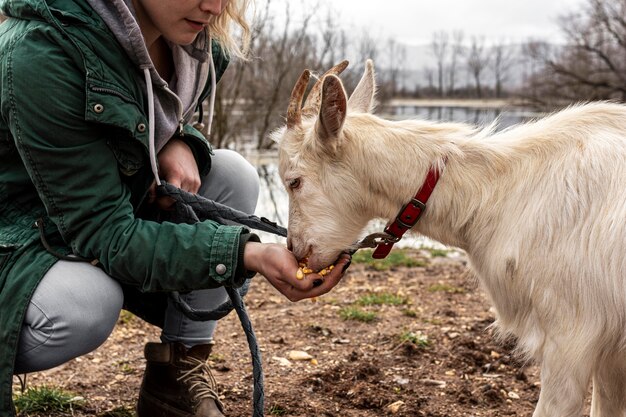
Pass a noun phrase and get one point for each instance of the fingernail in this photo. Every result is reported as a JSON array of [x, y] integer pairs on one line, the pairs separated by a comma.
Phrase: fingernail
[[346, 266], [317, 282]]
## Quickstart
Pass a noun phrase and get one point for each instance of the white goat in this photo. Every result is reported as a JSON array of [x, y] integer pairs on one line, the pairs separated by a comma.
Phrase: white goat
[[540, 210]]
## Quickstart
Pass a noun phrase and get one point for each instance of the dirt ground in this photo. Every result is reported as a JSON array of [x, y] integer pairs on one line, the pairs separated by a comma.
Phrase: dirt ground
[[431, 355]]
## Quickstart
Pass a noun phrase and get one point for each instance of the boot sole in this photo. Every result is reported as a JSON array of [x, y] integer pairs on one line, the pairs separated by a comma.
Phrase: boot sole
[[150, 406]]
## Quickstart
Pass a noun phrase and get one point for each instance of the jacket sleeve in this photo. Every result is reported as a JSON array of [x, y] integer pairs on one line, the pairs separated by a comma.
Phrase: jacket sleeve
[[75, 172]]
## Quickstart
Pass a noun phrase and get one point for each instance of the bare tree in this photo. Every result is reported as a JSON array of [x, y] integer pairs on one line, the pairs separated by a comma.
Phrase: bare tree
[[395, 60], [533, 66], [254, 94], [598, 35], [477, 61], [366, 46], [456, 51], [503, 56], [331, 40], [592, 64], [429, 75], [230, 95], [439, 47], [286, 53]]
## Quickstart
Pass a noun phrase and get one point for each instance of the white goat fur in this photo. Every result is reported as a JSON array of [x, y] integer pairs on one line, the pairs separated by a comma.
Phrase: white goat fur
[[539, 208]]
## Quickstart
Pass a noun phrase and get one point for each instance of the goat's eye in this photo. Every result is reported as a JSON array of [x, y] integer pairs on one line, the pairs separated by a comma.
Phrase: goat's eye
[[294, 184]]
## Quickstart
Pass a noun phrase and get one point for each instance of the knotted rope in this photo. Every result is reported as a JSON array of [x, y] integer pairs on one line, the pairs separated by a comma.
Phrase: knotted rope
[[191, 208]]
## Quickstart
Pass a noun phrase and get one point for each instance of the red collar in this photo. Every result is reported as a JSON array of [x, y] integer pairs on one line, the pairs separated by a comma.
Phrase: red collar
[[408, 215]]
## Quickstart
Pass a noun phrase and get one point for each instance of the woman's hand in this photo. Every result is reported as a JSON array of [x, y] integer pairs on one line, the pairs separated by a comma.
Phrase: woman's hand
[[177, 166], [279, 266]]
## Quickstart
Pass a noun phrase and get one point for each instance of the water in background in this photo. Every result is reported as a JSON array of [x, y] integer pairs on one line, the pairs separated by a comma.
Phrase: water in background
[[273, 200]]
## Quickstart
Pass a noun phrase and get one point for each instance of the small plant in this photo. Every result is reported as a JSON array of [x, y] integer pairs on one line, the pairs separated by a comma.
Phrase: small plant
[[46, 399], [354, 313], [442, 253], [125, 317], [383, 298], [118, 412], [125, 367], [417, 339], [409, 313], [397, 257], [331, 301], [277, 410], [217, 357], [446, 288]]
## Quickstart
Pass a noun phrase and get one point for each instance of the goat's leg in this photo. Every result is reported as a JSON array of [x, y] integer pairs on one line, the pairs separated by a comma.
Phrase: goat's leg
[[609, 389], [564, 384]]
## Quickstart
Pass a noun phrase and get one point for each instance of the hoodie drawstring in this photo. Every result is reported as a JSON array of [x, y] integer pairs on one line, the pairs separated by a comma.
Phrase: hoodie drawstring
[[213, 88], [151, 140], [151, 121]]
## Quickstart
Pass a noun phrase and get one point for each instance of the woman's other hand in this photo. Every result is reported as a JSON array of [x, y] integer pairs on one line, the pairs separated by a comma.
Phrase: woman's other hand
[[177, 166], [279, 266]]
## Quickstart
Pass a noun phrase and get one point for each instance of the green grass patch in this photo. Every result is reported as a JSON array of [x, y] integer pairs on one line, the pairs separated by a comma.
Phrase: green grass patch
[[125, 317], [441, 253], [118, 412], [217, 357], [357, 314], [435, 322], [125, 367], [45, 399], [450, 289], [330, 301], [382, 298], [277, 410], [418, 339], [397, 257]]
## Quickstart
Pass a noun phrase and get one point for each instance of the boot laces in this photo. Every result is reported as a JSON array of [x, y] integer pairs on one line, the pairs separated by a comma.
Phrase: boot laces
[[200, 379]]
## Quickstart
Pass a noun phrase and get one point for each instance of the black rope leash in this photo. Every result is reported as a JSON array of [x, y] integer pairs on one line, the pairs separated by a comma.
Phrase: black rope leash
[[192, 208]]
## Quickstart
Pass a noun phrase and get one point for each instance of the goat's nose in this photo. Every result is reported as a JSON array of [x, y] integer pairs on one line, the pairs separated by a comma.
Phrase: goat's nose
[[289, 243]]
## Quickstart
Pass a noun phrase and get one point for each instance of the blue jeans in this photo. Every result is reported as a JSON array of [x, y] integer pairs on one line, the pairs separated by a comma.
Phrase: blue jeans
[[76, 305]]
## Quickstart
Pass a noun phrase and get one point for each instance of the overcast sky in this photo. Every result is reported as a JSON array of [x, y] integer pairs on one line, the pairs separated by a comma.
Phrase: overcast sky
[[414, 21]]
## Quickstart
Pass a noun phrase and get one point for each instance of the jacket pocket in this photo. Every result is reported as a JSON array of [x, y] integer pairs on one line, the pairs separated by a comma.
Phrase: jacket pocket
[[9, 244], [5, 255], [130, 155], [111, 106]]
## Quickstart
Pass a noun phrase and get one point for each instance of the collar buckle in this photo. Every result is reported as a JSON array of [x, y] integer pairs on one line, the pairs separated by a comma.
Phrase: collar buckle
[[410, 213]]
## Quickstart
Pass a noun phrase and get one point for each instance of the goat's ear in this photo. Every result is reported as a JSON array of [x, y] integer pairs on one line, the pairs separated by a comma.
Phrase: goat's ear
[[332, 110], [362, 99]]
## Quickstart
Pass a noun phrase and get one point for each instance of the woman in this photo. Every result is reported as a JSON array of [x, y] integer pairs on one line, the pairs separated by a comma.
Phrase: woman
[[96, 101]]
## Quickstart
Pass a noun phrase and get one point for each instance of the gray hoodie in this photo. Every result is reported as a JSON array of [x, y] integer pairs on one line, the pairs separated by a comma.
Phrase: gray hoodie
[[174, 102]]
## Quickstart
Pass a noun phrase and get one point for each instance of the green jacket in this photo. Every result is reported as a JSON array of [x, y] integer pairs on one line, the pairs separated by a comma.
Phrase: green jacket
[[74, 153]]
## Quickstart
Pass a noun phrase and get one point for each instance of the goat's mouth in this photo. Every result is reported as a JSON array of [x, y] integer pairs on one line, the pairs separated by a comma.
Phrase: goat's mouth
[[317, 258], [318, 262]]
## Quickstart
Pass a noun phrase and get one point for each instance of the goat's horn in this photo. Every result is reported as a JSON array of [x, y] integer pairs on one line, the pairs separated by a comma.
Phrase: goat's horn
[[294, 112], [312, 103]]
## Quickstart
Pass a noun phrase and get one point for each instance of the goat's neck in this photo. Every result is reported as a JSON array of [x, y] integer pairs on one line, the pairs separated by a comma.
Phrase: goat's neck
[[399, 155]]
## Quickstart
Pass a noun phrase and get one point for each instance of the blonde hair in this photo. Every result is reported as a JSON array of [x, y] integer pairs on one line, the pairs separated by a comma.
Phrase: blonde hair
[[221, 28]]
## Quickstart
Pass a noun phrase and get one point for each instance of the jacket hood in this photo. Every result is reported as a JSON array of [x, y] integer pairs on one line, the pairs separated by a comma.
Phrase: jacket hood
[[171, 103]]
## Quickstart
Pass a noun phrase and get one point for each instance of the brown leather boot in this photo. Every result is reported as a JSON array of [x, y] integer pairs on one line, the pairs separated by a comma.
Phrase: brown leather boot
[[178, 382]]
